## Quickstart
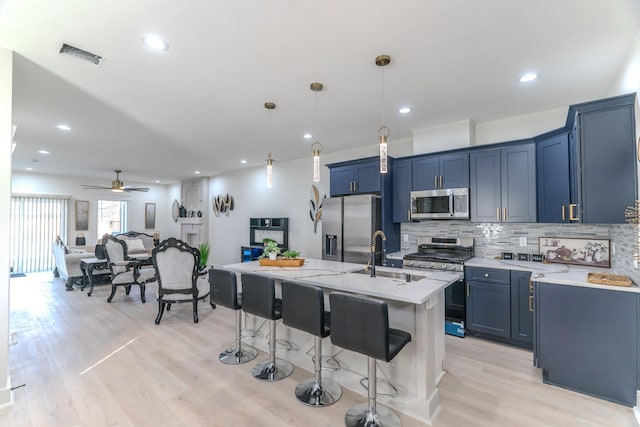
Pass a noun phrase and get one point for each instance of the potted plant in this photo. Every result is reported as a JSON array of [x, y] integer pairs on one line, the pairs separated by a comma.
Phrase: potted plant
[[271, 249], [291, 254], [204, 254]]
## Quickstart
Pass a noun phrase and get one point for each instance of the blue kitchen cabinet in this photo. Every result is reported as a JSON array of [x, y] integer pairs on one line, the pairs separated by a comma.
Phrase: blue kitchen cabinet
[[586, 340], [401, 190], [555, 204], [503, 187], [443, 171], [587, 170], [522, 308], [395, 263], [488, 304], [355, 177]]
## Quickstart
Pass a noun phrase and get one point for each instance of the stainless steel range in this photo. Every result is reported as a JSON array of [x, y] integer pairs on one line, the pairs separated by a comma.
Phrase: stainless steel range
[[440, 253], [445, 253]]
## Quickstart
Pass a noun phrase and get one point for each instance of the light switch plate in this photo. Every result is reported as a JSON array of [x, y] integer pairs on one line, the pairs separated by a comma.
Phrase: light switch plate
[[523, 241], [405, 237]]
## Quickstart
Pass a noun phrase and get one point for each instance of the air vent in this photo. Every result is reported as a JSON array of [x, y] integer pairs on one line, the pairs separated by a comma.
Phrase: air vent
[[82, 54]]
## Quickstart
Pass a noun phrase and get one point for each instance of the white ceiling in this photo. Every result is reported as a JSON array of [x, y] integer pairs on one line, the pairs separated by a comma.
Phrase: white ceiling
[[199, 106]]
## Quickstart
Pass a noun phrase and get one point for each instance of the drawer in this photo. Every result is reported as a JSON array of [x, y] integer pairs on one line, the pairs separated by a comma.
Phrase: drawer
[[391, 262], [493, 275]]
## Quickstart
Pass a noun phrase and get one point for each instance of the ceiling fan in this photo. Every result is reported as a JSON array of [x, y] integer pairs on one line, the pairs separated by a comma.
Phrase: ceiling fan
[[116, 186]]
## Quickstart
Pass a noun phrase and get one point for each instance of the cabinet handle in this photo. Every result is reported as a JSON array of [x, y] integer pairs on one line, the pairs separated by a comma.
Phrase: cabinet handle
[[355, 186], [435, 181], [638, 149], [504, 214], [441, 181], [564, 217], [530, 286], [497, 214], [572, 216], [486, 274], [468, 290], [408, 214], [530, 302]]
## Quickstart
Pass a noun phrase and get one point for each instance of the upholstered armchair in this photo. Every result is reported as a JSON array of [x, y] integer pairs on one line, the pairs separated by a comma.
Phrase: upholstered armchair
[[176, 266], [124, 270]]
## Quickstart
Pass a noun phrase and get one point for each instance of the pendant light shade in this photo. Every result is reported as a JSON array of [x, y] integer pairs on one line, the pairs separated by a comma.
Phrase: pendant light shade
[[269, 171], [383, 131], [269, 106]]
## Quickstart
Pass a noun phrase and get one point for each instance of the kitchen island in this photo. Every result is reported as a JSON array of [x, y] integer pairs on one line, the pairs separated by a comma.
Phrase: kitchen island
[[415, 305]]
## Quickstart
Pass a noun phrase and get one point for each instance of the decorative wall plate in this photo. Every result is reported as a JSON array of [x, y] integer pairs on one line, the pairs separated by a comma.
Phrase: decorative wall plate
[[175, 210]]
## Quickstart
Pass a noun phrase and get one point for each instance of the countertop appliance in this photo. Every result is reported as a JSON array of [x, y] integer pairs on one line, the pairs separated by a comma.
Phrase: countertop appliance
[[446, 203], [348, 224], [445, 253]]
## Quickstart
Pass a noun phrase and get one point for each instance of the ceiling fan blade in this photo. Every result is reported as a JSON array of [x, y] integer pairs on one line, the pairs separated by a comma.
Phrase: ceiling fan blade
[[135, 189], [96, 187]]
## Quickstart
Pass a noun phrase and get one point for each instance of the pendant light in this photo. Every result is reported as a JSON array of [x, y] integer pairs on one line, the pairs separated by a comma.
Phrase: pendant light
[[383, 131], [316, 147], [269, 106]]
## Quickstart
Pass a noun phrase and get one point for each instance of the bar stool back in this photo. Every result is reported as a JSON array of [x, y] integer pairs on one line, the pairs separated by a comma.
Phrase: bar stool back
[[224, 292], [259, 299], [362, 325], [303, 309]]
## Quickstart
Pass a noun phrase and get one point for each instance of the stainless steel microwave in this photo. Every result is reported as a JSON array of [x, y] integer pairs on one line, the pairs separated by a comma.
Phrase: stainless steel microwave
[[451, 203]]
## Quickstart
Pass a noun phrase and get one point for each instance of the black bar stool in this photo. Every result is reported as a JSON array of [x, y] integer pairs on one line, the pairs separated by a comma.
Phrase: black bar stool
[[362, 325], [224, 291], [303, 308], [259, 299]]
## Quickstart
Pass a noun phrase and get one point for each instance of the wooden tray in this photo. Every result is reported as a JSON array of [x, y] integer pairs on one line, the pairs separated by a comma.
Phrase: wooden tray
[[609, 279], [282, 262]]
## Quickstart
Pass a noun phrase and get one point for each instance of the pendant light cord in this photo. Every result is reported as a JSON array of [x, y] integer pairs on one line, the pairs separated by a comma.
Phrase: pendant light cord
[[382, 74]]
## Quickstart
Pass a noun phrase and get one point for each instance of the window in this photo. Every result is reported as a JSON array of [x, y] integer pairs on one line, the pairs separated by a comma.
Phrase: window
[[113, 217], [36, 221]]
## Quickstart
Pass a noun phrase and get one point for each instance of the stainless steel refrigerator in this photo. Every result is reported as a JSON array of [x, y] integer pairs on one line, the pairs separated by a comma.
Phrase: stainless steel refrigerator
[[347, 226]]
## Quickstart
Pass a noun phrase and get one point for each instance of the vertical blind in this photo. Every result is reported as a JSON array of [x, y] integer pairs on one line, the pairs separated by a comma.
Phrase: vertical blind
[[35, 224]]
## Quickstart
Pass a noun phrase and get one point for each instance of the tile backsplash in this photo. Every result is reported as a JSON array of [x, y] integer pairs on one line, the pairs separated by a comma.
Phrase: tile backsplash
[[490, 239]]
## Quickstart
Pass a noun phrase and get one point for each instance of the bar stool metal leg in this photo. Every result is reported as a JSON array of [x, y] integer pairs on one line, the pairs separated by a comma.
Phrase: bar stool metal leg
[[274, 369], [315, 391], [238, 355], [369, 414]]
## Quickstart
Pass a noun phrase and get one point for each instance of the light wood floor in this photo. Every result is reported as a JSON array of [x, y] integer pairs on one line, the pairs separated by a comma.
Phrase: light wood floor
[[84, 362]]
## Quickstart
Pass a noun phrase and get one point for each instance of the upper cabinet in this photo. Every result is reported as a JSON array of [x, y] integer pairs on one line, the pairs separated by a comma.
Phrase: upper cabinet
[[503, 184], [588, 173], [356, 177], [445, 171], [401, 190]]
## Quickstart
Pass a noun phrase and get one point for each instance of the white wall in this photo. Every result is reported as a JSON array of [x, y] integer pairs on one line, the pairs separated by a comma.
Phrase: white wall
[[6, 82], [161, 195]]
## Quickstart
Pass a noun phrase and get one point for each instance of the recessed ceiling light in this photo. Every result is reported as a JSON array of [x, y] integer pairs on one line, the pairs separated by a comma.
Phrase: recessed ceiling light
[[528, 77], [29, 169], [62, 126], [404, 110], [244, 162], [157, 181], [308, 136], [155, 42], [197, 172], [43, 152]]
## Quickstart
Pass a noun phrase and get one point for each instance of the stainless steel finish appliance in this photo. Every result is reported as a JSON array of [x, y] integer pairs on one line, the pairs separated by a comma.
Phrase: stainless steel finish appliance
[[347, 226], [445, 253], [449, 203]]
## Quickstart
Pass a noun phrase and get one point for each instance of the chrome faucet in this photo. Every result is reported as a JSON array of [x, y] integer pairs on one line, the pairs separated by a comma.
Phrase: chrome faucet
[[373, 250]]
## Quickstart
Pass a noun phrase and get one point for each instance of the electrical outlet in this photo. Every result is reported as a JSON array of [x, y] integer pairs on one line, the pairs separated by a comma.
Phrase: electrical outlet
[[523, 241], [613, 248], [405, 237]]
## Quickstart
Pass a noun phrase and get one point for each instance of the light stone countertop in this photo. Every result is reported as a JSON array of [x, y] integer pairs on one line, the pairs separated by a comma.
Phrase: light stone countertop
[[398, 255], [341, 276], [562, 274]]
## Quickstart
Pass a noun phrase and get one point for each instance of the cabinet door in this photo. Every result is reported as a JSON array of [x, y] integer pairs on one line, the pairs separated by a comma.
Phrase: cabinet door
[[553, 179], [367, 177], [454, 169], [401, 190], [341, 180], [518, 183], [488, 308], [608, 164], [484, 194], [426, 173], [587, 340], [521, 307]]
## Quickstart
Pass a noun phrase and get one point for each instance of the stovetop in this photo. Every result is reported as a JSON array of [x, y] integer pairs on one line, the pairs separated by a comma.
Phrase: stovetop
[[440, 253]]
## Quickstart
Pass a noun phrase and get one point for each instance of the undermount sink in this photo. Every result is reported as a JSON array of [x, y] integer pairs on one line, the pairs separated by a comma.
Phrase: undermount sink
[[407, 277]]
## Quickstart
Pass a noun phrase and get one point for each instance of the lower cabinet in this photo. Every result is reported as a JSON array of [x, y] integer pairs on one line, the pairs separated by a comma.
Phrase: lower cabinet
[[393, 262], [499, 305], [587, 340]]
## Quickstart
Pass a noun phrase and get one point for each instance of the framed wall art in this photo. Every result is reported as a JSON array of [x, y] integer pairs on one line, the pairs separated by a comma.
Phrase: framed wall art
[[149, 216], [82, 215], [565, 250]]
